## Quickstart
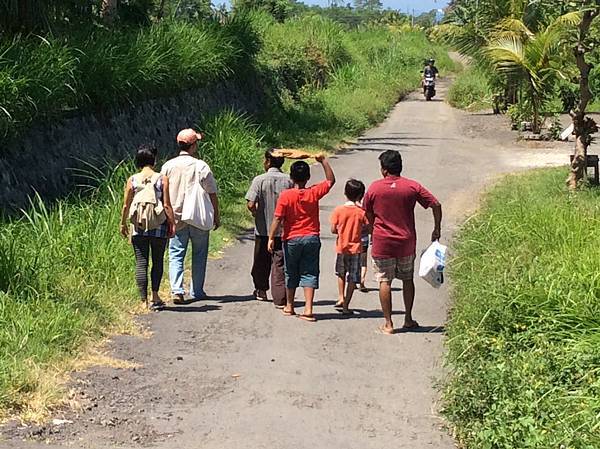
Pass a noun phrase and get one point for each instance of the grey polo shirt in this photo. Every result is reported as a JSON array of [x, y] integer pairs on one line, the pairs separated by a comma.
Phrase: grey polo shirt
[[264, 191]]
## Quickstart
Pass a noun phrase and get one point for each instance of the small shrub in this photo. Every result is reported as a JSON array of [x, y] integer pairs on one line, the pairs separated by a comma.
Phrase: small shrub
[[471, 91]]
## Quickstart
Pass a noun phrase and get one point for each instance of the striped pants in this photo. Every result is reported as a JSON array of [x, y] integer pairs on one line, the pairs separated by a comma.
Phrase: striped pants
[[144, 246]]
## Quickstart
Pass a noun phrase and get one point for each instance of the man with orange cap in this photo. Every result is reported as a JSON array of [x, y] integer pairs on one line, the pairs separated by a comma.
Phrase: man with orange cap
[[183, 172]]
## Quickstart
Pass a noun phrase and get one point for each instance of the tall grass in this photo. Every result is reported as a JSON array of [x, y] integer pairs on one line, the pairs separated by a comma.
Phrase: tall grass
[[54, 294], [471, 90], [42, 77], [524, 333]]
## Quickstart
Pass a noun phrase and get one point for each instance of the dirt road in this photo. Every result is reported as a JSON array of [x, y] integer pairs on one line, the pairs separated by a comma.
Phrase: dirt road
[[233, 373]]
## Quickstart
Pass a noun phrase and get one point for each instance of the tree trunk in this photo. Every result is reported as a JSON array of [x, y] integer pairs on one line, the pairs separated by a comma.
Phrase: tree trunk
[[108, 11], [584, 126]]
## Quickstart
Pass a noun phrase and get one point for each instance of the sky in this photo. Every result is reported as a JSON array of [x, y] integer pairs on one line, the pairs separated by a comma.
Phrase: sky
[[403, 5]]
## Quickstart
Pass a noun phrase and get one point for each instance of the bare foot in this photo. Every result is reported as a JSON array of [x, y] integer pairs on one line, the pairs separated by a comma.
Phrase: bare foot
[[339, 304], [288, 312], [309, 318], [412, 324], [384, 329]]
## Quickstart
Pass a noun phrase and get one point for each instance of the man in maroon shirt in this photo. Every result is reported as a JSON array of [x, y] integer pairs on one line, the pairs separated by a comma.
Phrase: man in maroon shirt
[[390, 205]]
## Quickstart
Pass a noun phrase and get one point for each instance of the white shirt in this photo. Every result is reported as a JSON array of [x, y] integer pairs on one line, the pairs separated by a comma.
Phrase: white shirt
[[181, 173]]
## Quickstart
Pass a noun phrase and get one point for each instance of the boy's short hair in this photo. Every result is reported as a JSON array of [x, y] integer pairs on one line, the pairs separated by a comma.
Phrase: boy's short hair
[[300, 171], [354, 190], [145, 156], [276, 162], [391, 161]]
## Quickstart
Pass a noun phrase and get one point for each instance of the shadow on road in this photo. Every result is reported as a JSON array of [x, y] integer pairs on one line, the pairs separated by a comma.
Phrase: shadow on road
[[188, 309], [423, 330]]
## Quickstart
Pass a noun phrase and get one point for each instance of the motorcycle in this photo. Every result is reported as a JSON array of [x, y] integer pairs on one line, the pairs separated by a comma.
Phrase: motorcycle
[[429, 87]]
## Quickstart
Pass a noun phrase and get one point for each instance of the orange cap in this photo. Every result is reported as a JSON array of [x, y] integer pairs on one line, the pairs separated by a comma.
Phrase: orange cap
[[188, 136]]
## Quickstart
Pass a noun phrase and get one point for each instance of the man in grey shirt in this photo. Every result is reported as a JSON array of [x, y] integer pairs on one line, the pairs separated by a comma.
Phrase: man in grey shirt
[[262, 198]]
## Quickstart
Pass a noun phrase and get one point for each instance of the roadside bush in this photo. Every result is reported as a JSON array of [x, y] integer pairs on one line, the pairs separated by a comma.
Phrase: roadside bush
[[523, 340], [471, 91], [303, 52]]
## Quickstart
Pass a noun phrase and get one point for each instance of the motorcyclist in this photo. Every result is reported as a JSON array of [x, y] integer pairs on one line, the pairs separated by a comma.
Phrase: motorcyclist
[[429, 70]]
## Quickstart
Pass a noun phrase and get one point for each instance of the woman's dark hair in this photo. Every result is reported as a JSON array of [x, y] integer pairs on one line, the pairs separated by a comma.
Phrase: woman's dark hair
[[275, 162], [300, 172], [354, 190], [391, 161], [146, 156]]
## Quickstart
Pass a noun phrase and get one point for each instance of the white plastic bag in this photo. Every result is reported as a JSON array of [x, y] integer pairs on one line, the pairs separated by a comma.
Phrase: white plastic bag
[[432, 264], [197, 209]]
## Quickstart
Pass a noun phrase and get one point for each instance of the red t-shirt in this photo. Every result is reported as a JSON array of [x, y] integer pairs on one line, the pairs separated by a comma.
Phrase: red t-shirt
[[349, 220], [392, 201], [299, 210]]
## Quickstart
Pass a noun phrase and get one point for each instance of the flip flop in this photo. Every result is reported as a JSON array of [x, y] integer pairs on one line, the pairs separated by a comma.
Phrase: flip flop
[[287, 312], [258, 297], [338, 305], [309, 318]]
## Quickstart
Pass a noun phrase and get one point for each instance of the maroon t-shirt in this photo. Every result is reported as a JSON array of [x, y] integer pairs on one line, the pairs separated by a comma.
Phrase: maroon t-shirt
[[392, 201]]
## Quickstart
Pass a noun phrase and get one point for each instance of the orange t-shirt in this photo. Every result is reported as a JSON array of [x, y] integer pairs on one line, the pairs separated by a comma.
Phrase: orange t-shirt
[[349, 220]]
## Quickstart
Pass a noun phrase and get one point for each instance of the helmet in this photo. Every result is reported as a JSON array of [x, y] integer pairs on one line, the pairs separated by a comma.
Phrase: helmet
[[431, 61]]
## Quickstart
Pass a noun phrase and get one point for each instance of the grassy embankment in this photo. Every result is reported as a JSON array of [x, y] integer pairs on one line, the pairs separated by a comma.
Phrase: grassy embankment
[[66, 276], [471, 91], [524, 333]]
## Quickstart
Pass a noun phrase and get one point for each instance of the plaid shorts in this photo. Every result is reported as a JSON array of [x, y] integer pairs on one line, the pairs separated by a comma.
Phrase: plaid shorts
[[348, 265], [386, 270]]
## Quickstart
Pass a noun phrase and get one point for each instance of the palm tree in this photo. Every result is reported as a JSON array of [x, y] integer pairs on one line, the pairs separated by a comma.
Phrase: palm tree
[[535, 58]]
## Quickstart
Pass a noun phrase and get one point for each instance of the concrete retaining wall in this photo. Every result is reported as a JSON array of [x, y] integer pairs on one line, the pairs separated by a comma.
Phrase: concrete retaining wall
[[42, 160]]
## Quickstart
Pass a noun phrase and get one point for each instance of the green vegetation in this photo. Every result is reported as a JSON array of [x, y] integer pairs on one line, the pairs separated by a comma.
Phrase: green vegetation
[[43, 77], [325, 83], [524, 333], [471, 90]]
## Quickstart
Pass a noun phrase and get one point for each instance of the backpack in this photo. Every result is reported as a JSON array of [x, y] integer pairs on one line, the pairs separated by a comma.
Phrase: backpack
[[146, 211]]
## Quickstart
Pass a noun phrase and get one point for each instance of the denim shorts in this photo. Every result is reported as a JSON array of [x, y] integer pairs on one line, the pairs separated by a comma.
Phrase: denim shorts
[[301, 256]]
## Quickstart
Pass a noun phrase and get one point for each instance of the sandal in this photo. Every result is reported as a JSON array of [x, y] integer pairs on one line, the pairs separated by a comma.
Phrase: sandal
[[178, 300], [260, 297], [156, 306], [309, 318]]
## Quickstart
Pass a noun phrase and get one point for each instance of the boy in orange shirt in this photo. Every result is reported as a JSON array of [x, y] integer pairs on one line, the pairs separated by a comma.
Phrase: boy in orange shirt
[[347, 222]]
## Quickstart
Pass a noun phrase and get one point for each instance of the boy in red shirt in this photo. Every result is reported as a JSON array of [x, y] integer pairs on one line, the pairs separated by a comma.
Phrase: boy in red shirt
[[390, 206], [347, 222], [298, 211]]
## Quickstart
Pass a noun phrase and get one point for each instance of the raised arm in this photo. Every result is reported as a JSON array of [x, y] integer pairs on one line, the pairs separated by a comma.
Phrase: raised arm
[[437, 219], [329, 175]]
